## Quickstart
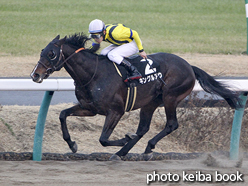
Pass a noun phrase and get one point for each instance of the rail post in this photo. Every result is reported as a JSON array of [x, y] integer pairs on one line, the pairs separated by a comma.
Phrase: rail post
[[246, 10], [236, 129], [39, 129]]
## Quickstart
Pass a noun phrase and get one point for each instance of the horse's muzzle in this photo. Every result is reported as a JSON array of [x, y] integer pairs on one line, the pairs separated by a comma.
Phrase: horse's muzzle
[[36, 77]]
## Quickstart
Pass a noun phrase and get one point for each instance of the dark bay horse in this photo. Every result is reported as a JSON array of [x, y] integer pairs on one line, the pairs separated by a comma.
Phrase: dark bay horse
[[100, 90]]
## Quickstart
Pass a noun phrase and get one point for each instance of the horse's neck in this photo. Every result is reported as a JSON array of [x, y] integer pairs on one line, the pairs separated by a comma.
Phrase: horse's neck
[[80, 67]]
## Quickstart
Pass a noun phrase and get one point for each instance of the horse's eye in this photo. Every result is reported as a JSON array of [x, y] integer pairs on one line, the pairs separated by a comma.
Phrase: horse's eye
[[52, 55]]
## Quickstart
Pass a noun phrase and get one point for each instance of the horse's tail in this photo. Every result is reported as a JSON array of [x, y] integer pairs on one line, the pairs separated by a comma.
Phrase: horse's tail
[[210, 85]]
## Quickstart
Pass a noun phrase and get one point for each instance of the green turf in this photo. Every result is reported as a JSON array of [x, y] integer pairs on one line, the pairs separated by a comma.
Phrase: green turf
[[176, 26]]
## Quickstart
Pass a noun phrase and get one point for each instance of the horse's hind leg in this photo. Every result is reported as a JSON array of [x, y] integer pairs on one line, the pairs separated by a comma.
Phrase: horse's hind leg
[[73, 111], [172, 95]]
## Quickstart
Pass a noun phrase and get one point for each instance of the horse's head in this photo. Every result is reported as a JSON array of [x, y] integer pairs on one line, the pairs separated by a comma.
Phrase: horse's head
[[50, 60]]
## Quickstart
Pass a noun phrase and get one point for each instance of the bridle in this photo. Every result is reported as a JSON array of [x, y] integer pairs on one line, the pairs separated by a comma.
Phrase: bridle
[[50, 70]]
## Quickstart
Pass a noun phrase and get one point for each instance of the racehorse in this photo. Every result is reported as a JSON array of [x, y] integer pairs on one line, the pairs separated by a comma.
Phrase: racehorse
[[100, 90]]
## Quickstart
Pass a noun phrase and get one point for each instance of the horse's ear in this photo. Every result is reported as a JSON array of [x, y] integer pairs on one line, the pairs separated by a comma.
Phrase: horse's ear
[[57, 37], [61, 41], [64, 38]]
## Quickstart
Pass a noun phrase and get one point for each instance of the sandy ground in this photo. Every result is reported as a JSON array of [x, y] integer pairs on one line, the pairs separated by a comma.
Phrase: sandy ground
[[86, 132], [95, 173]]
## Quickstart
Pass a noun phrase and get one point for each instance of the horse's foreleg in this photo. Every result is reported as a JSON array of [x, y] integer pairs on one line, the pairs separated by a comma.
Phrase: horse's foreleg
[[171, 124], [110, 123], [73, 111], [144, 126]]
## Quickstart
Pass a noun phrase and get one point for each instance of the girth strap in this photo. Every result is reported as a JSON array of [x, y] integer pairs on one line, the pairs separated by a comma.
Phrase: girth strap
[[131, 97]]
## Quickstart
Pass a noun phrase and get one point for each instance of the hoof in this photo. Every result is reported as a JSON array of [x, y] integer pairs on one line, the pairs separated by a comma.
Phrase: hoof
[[211, 161], [115, 157], [148, 156], [130, 135], [74, 147], [239, 163]]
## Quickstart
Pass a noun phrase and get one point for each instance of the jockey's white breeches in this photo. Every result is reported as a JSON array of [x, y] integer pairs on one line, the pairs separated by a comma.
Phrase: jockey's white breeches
[[116, 53]]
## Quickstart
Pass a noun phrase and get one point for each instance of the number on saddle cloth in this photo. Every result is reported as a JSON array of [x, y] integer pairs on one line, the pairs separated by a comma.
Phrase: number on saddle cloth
[[150, 72]]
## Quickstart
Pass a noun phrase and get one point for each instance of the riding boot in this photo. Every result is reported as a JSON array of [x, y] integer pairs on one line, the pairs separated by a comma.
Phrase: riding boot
[[133, 71]]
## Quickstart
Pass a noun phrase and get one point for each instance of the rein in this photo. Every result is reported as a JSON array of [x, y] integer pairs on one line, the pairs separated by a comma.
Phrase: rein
[[61, 54], [77, 51], [93, 74]]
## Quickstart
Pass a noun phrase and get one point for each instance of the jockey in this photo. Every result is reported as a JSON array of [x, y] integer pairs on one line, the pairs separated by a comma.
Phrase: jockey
[[124, 42]]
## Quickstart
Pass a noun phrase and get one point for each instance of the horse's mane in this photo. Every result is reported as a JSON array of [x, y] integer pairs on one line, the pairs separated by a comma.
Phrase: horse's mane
[[77, 40]]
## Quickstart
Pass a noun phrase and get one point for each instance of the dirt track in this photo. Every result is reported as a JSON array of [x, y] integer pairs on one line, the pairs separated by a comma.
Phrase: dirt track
[[96, 173]]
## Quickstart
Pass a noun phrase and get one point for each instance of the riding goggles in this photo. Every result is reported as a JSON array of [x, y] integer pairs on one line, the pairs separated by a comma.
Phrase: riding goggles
[[96, 36]]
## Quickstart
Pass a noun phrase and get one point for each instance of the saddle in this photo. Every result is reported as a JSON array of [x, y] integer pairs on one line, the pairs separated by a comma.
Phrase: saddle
[[150, 71]]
